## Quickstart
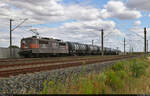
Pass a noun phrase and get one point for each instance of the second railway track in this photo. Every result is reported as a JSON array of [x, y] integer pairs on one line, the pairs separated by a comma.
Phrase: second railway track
[[7, 70], [52, 58]]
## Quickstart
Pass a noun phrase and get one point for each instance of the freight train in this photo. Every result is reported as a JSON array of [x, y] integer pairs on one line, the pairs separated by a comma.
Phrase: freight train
[[46, 47]]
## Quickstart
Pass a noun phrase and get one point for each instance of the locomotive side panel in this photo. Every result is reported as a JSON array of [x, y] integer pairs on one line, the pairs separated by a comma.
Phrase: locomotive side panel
[[52, 47]]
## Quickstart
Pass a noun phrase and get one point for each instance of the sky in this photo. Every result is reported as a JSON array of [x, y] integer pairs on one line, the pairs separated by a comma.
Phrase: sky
[[78, 21]]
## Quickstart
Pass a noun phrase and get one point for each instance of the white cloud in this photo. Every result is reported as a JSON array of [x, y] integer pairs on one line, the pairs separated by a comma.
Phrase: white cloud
[[85, 28], [137, 23], [118, 10], [79, 31], [77, 12], [139, 4], [46, 10], [83, 31]]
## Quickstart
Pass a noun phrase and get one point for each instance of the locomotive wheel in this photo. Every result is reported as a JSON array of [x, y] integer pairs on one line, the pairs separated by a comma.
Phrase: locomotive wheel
[[30, 55], [36, 55]]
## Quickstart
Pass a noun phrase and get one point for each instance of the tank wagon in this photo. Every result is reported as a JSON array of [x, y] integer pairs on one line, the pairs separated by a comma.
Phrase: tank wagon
[[45, 47]]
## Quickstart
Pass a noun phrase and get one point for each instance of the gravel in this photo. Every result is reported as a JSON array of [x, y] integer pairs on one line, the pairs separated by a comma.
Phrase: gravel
[[22, 84]]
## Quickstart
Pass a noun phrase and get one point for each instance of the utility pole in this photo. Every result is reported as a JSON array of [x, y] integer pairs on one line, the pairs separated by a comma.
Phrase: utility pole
[[145, 40], [132, 49], [11, 30], [102, 41], [10, 37], [147, 46], [92, 42], [124, 46]]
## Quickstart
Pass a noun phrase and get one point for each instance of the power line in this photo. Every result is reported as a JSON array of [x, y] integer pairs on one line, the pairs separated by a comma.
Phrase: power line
[[19, 24], [138, 35], [108, 34]]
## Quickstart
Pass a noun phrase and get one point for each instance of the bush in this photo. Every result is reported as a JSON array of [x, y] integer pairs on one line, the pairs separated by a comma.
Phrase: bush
[[137, 68], [118, 66], [13, 46], [113, 80]]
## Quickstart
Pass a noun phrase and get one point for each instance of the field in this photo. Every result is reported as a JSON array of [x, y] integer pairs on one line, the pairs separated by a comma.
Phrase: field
[[125, 77]]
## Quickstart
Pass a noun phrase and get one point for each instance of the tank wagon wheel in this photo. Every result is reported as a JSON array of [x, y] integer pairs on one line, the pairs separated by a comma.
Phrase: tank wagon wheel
[[42, 55], [30, 55], [74, 54], [36, 55]]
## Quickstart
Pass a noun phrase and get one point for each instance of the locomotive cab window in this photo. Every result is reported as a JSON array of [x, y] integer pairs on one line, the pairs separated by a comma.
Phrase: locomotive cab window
[[25, 43]]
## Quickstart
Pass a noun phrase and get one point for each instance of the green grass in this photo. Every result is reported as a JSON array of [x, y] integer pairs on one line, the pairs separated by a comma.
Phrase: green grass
[[122, 78]]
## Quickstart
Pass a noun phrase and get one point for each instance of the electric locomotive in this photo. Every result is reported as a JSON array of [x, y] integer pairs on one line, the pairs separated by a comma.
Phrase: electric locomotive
[[42, 47]]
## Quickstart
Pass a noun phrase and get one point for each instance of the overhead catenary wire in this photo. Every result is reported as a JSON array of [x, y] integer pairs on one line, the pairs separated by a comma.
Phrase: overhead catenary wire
[[19, 24]]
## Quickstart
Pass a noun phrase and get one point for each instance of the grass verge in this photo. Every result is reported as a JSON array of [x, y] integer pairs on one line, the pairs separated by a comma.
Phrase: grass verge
[[125, 77]]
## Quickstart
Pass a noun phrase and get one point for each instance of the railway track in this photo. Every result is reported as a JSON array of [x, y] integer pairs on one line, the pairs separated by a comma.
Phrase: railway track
[[15, 68], [52, 58]]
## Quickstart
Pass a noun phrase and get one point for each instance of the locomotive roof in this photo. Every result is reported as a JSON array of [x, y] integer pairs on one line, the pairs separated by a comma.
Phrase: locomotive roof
[[43, 38]]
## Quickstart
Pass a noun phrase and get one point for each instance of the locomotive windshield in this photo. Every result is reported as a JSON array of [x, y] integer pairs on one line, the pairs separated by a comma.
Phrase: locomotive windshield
[[25, 43]]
